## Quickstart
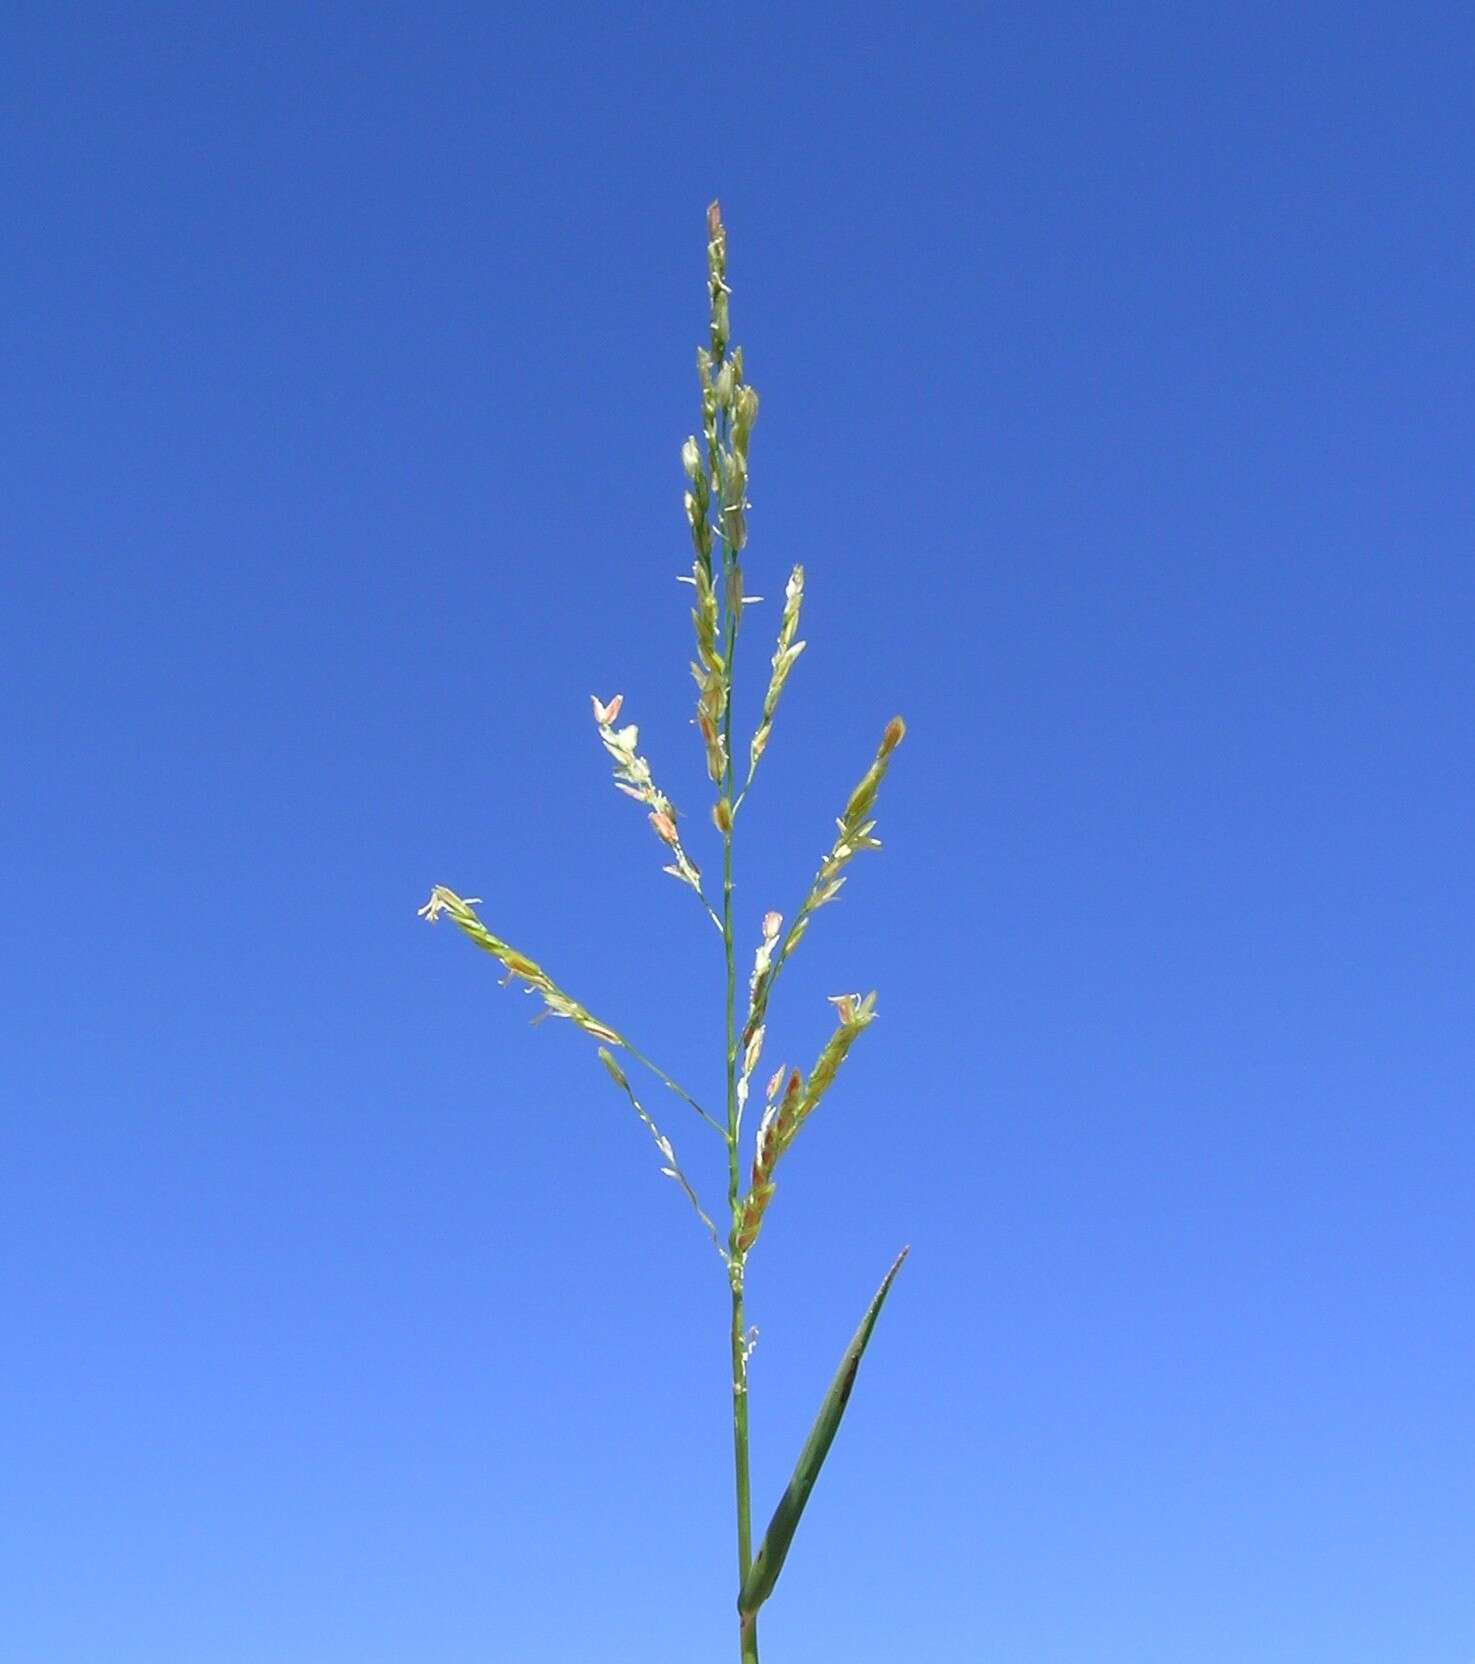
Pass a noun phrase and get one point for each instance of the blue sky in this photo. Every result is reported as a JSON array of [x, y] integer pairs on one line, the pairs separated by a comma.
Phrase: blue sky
[[1117, 390]]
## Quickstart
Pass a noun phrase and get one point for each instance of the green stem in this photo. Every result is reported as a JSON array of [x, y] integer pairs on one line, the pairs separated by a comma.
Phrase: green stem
[[740, 1433], [748, 1633], [739, 1340], [738, 1336]]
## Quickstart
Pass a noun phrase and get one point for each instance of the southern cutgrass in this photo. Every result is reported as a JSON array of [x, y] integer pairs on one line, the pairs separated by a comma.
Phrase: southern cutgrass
[[717, 506]]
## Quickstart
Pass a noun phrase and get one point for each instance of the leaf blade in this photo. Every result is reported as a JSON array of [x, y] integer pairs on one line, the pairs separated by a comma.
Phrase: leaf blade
[[769, 1562]]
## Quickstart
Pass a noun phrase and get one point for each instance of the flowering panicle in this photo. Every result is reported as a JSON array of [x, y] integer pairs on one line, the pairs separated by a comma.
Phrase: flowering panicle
[[715, 465], [518, 966], [787, 1112]]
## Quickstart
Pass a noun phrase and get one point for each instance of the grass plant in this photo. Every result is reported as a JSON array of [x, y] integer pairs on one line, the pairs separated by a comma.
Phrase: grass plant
[[716, 502]]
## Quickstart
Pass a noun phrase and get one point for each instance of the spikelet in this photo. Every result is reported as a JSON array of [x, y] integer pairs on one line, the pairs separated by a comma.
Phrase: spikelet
[[518, 966]]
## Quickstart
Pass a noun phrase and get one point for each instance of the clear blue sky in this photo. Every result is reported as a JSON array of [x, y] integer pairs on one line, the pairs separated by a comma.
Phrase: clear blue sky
[[1117, 380]]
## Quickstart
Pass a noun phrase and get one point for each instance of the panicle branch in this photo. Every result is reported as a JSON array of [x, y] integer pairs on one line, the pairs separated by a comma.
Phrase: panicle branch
[[537, 981], [788, 1110], [633, 777], [784, 657], [855, 829], [518, 966]]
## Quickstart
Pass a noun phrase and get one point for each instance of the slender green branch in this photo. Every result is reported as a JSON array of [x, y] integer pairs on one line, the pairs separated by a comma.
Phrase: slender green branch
[[672, 1169], [675, 1086]]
